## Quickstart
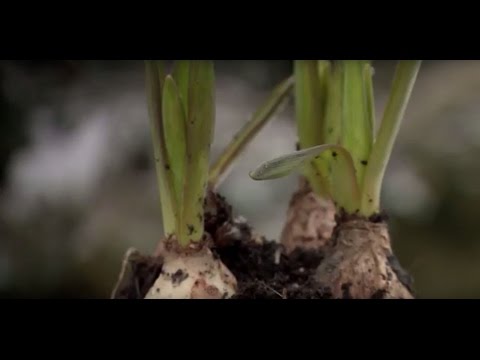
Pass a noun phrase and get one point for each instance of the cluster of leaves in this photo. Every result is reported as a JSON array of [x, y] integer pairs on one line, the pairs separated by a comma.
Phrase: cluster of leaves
[[340, 153], [182, 114]]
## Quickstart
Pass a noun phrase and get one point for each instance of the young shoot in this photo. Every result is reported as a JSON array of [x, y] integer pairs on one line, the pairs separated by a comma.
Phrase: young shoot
[[182, 113], [344, 152]]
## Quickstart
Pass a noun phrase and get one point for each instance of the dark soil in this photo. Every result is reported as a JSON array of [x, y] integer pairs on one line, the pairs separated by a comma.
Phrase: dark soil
[[139, 275], [261, 270], [264, 272]]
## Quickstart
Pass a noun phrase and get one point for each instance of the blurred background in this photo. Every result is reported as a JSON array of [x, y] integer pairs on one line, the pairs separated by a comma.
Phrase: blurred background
[[78, 187]]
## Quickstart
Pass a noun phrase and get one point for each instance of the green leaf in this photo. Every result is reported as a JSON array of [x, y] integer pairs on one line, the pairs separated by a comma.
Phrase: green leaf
[[309, 103], [154, 71], [345, 192], [357, 132], [181, 75], [402, 87], [332, 126], [368, 73], [175, 140], [333, 111], [259, 119], [324, 68], [345, 188], [200, 128]]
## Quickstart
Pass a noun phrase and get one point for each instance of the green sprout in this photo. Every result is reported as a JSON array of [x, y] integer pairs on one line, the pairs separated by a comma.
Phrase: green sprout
[[182, 115], [339, 154]]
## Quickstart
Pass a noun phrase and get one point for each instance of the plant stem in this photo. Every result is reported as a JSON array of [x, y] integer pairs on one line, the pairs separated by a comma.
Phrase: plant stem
[[404, 80], [368, 73], [309, 105], [311, 78], [175, 142], [154, 71], [357, 132], [200, 132], [259, 119]]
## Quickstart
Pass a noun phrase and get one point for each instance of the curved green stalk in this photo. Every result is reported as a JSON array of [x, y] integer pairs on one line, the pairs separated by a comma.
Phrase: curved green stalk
[[259, 119], [345, 192], [403, 83]]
